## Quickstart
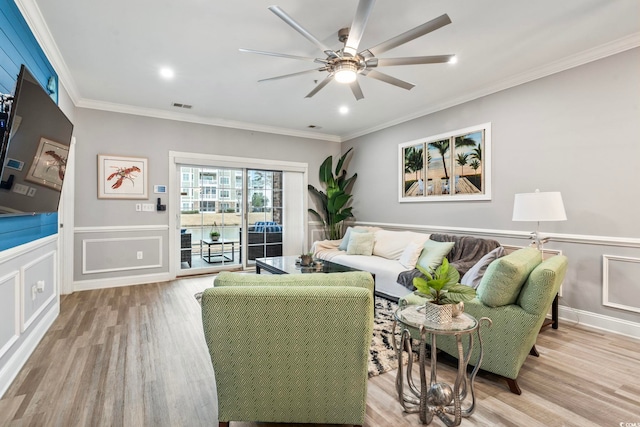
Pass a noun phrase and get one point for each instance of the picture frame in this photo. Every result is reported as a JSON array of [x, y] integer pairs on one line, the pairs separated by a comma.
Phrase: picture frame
[[451, 166], [49, 164], [122, 177]]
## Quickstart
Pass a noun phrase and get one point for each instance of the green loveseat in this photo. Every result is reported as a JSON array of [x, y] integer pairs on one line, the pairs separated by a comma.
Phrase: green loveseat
[[516, 293], [290, 348]]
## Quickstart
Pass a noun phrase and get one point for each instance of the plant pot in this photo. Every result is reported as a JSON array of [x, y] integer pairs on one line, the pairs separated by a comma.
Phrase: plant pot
[[215, 238], [306, 260], [438, 313]]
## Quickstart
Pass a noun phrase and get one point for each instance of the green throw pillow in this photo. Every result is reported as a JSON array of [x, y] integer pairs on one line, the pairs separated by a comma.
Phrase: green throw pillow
[[432, 254], [505, 276], [360, 244], [345, 239]]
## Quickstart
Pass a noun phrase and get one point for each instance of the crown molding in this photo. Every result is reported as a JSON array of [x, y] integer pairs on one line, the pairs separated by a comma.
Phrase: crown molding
[[38, 26], [31, 13], [617, 46], [190, 118]]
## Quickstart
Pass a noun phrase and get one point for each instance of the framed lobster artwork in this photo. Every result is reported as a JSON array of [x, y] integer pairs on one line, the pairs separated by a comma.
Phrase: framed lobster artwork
[[121, 177], [49, 164]]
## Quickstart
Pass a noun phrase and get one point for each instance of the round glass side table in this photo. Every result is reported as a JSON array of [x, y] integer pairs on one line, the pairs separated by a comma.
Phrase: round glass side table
[[433, 397]]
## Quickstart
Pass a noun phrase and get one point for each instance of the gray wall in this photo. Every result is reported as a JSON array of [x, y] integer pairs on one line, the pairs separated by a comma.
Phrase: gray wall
[[100, 132], [575, 132]]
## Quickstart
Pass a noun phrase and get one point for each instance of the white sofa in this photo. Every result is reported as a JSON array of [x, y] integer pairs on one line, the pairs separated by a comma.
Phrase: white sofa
[[384, 263]]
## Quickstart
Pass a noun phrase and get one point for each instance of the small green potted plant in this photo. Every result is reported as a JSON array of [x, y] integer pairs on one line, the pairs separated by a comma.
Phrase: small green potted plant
[[306, 259], [214, 233], [444, 294]]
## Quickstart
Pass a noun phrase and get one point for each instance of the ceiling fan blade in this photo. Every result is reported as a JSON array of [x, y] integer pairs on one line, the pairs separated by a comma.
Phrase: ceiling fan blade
[[320, 85], [387, 79], [412, 60], [357, 26], [293, 24], [414, 33], [299, 73], [357, 90], [282, 55]]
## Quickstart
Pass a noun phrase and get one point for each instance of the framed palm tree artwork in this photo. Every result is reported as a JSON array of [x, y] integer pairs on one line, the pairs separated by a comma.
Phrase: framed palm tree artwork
[[455, 165]]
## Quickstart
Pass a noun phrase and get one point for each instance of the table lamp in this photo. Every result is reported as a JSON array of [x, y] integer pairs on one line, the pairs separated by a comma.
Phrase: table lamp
[[538, 207]]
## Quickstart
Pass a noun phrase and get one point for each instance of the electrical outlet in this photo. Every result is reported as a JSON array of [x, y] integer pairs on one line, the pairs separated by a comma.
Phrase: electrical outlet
[[138, 207], [40, 286], [139, 254], [20, 189]]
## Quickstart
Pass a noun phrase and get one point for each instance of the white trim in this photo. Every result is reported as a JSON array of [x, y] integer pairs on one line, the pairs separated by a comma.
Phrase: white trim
[[120, 228], [15, 275], [117, 282], [16, 251], [11, 369], [192, 118], [617, 46], [38, 26], [25, 324], [85, 270], [599, 321], [626, 242], [605, 282]]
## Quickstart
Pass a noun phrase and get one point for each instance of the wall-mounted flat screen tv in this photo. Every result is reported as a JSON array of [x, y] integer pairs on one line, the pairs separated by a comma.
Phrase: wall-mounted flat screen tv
[[34, 151]]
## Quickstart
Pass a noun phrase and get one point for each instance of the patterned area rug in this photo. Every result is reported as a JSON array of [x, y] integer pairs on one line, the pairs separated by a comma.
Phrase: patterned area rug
[[382, 357]]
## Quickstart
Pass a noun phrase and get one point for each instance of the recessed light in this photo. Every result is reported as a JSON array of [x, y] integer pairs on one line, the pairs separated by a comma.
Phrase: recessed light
[[343, 110], [166, 73]]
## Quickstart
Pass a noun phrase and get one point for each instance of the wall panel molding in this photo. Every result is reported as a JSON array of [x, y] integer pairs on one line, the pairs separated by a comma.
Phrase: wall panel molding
[[154, 262], [606, 269], [120, 228], [26, 323], [14, 277]]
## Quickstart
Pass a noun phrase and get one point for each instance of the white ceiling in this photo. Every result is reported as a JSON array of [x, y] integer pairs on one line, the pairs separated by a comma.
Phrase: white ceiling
[[108, 55]]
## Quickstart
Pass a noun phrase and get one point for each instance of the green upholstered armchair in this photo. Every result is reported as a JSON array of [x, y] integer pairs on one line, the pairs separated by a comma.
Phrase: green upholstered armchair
[[516, 325], [290, 348]]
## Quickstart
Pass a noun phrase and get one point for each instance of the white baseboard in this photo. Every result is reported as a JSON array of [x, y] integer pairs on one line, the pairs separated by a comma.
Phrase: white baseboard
[[599, 321], [116, 282], [11, 369]]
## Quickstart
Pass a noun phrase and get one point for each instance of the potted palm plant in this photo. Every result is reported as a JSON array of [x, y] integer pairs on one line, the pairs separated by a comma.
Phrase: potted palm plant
[[333, 206], [443, 292]]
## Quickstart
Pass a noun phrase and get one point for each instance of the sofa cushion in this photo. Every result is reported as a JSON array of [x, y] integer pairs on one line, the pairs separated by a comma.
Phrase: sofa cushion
[[345, 239], [410, 255], [360, 244], [504, 277], [432, 254], [474, 275], [391, 244]]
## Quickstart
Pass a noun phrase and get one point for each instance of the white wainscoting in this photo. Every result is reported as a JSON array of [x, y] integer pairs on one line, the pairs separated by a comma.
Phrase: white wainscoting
[[23, 319], [10, 303], [106, 245], [607, 266]]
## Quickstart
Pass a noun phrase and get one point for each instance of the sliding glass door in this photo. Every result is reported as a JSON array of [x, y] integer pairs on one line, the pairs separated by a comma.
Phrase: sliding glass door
[[264, 214], [211, 206]]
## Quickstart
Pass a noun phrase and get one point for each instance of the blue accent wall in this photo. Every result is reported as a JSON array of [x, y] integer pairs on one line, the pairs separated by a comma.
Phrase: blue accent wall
[[19, 46]]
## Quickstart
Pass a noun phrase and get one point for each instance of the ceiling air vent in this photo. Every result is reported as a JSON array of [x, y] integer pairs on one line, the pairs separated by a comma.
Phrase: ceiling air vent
[[179, 105]]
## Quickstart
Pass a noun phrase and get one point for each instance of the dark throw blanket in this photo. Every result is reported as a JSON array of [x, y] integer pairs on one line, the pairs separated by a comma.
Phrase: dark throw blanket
[[465, 253]]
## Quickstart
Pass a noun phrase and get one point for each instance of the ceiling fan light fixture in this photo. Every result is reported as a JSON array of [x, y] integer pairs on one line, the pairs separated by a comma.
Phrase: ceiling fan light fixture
[[345, 72]]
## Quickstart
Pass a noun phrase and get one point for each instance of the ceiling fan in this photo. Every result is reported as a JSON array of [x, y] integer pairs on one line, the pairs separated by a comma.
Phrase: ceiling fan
[[345, 64]]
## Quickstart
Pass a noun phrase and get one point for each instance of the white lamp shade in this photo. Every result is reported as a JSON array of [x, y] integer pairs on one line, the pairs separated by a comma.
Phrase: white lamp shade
[[539, 206]]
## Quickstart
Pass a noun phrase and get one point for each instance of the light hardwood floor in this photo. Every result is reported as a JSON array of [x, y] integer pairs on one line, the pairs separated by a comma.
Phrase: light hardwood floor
[[136, 356]]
